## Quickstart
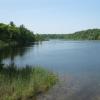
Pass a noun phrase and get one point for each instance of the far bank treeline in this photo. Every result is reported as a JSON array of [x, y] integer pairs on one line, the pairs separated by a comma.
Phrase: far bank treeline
[[90, 34], [12, 34]]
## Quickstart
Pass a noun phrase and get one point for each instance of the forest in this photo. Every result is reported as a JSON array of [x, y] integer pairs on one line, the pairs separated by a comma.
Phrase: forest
[[12, 34], [90, 34]]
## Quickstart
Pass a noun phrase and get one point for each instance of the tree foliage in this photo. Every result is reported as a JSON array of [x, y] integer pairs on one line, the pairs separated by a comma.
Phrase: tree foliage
[[11, 33], [90, 34]]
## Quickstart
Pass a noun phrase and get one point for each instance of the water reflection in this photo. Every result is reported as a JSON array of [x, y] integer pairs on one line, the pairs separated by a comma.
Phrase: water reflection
[[77, 59], [13, 51]]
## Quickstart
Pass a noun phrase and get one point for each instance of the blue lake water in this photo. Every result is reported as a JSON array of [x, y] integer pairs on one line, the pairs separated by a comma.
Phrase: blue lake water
[[77, 59], [60, 56]]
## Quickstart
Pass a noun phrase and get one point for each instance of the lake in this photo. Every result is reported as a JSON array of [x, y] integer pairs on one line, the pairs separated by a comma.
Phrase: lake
[[57, 55], [77, 59]]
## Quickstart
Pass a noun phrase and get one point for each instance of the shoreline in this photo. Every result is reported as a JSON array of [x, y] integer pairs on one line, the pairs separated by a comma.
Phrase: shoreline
[[24, 83]]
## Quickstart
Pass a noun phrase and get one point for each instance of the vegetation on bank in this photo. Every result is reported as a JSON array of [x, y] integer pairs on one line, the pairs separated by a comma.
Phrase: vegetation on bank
[[24, 83], [17, 82], [10, 33], [90, 34]]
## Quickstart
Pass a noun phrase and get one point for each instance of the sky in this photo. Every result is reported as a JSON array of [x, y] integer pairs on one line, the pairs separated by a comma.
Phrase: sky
[[52, 16]]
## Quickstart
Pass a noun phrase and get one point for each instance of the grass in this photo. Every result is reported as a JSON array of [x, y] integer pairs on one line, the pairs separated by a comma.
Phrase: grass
[[24, 83]]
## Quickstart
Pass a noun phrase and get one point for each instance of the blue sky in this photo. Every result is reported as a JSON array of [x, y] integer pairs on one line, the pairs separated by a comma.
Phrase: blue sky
[[52, 16]]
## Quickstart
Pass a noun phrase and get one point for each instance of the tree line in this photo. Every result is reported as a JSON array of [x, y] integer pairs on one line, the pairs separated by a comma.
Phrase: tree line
[[10, 33], [90, 34]]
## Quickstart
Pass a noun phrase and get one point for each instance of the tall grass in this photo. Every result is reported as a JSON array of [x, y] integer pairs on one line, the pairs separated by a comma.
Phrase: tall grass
[[24, 83]]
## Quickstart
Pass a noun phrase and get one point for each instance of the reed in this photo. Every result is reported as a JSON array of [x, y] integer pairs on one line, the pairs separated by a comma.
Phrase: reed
[[24, 83]]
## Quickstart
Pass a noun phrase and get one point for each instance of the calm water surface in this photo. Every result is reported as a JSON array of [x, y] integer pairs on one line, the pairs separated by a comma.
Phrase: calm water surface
[[77, 59], [58, 55]]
